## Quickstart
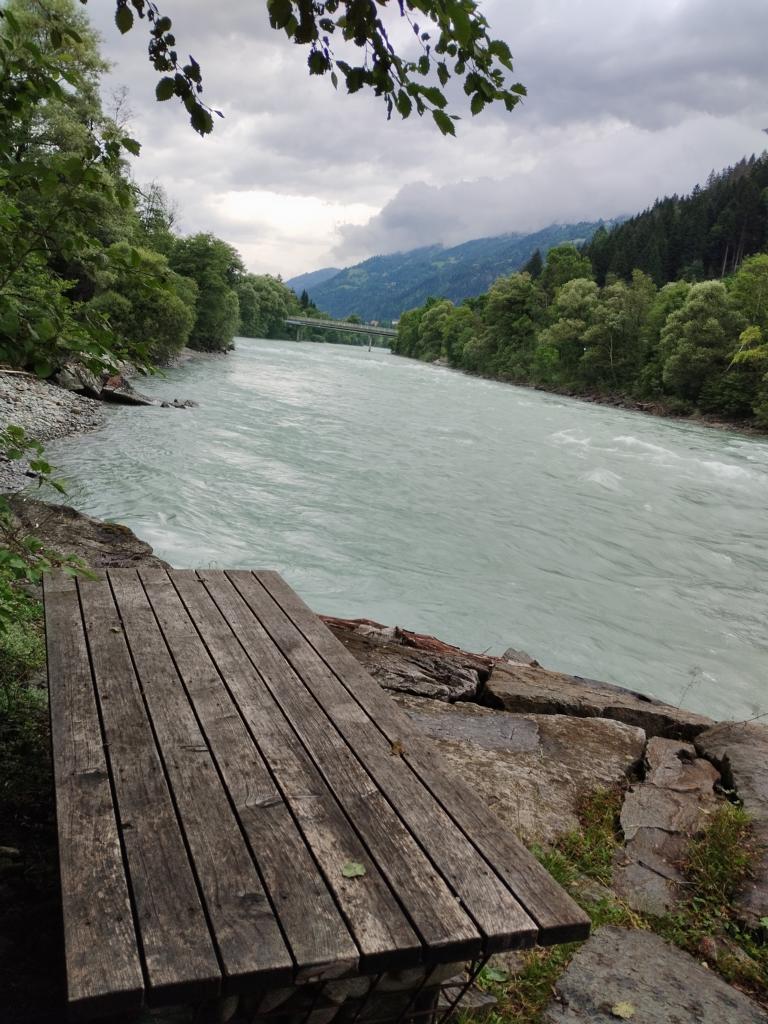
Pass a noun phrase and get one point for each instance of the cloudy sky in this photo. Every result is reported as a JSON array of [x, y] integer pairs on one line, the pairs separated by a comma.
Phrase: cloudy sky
[[626, 101]]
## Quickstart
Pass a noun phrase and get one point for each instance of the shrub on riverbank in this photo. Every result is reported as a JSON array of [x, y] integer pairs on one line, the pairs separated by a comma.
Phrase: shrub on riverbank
[[692, 347]]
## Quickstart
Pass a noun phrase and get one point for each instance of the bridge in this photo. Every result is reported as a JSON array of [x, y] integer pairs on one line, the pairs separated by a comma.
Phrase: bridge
[[342, 325]]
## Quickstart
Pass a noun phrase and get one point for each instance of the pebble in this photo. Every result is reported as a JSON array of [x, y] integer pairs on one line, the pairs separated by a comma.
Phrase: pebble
[[45, 412]]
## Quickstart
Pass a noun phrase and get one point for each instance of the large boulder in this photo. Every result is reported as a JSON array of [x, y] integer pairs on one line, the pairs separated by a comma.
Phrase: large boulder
[[101, 545], [636, 975], [406, 662], [659, 817], [76, 377], [530, 688], [740, 750], [531, 770]]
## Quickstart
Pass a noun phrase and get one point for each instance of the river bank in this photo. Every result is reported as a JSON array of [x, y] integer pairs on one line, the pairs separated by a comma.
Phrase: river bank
[[45, 412], [658, 407], [628, 801]]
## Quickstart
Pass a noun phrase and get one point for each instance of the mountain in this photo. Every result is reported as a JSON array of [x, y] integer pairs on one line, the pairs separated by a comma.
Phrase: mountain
[[383, 287], [312, 279]]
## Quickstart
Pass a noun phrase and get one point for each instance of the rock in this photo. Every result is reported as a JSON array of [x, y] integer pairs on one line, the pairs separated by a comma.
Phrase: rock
[[476, 1003], [101, 545], [75, 377], [659, 817], [740, 750], [446, 675], [117, 389], [45, 412], [531, 770], [518, 657], [533, 689], [636, 975], [649, 806]]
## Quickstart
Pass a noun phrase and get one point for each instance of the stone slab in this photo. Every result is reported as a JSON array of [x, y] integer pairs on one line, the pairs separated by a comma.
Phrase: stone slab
[[649, 981], [100, 544], [740, 750], [531, 770], [440, 673], [659, 817], [532, 689]]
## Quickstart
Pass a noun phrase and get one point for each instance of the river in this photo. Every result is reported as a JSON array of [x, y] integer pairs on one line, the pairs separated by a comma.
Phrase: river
[[605, 543]]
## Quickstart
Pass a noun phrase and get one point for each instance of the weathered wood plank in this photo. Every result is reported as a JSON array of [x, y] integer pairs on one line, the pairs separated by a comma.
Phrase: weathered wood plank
[[311, 921], [484, 896], [558, 917], [380, 928], [179, 955], [247, 934], [104, 974], [429, 903]]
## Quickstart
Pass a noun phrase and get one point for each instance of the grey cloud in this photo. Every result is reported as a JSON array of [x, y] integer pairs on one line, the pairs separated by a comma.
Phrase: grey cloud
[[625, 101], [617, 174]]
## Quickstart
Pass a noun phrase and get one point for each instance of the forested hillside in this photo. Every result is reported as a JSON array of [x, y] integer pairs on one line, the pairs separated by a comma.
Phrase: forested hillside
[[91, 267], [703, 235], [382, 287], [687, 346]]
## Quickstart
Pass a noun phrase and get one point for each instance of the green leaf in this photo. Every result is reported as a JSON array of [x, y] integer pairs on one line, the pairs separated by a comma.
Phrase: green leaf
[[201, 120], [443, 122], [131, 145], [124, 19], [624, 1011], [495, 974], [477, 104], [433, 95], [403, 104], [165, 88], [353, 869], [280, 12]]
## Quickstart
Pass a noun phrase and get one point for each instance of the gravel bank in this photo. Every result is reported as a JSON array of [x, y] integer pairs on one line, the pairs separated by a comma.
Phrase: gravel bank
[[45, 412]]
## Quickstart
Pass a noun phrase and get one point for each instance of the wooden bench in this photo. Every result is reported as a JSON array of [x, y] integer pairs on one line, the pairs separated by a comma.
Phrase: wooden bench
[[222, 765]]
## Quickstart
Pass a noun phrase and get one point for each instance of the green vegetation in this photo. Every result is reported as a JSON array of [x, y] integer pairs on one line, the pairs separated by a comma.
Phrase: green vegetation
[[717, 863], [23, 708], [381, 287], [689, 346], [716, 866], [91, 269], [454, 42], [706, 234]]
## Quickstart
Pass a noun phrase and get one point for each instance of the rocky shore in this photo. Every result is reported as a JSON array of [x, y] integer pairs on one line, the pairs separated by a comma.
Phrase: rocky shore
[[45, 412]]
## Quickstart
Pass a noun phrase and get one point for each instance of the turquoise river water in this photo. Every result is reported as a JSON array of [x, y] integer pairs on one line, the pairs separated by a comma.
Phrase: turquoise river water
[[605, 543]]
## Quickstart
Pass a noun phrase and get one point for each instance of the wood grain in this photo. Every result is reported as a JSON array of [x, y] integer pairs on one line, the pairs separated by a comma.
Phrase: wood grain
[[381, 930], [559, 918], [319, 941], [103, 966], [246, 932], [179, 954], [484, 896]]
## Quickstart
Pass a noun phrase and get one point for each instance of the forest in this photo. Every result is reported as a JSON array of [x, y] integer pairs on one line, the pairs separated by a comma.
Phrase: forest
[[92, 268], [668, 308]]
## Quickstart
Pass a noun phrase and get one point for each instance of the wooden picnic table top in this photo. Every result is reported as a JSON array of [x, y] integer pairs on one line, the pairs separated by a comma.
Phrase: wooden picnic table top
[[222, 764]]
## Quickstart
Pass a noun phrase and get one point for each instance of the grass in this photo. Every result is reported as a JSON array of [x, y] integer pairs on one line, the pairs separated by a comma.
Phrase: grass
[[705, 923], [24, 758], [717, 863]]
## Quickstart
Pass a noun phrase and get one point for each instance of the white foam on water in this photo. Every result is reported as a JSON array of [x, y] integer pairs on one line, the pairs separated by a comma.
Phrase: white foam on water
[[634, 442], [604, 478], [732, 474], [565, 437]]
